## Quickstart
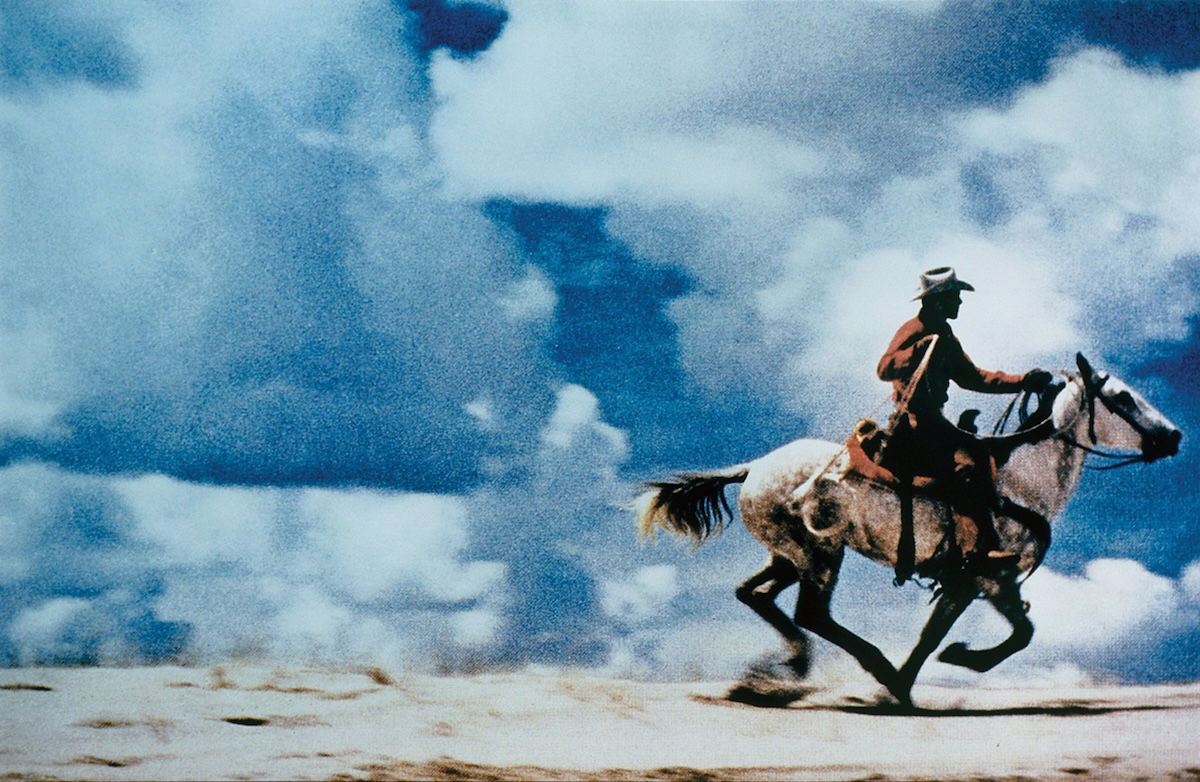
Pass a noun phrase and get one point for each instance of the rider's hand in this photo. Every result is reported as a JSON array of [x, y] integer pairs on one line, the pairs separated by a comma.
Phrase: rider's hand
[[1036, 380]]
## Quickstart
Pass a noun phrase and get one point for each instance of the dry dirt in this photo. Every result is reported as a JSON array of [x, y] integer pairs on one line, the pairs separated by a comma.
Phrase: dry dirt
[[244, 722]]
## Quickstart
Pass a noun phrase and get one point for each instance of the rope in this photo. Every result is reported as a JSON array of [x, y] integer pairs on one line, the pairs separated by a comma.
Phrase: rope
[[911, 388], [806, 488]]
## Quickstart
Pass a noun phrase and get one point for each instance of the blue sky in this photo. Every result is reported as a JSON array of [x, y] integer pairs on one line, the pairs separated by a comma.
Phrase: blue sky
[[341, 331]]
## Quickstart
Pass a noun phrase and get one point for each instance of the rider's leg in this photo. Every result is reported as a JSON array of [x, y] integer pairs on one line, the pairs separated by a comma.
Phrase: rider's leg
[[972, 499]]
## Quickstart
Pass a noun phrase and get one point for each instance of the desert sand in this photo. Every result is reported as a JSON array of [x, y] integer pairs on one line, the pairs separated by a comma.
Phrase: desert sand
[[253, 722]]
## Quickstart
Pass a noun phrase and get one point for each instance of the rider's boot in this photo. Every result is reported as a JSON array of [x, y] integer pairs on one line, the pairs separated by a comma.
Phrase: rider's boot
[[974, 532]]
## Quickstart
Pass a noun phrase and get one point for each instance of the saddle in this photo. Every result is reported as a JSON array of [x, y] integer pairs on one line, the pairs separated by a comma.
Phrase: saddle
[[868, 441], [865, 446]]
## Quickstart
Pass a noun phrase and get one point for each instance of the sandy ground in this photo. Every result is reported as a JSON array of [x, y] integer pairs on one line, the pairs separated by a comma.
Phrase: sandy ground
[[244, 722]]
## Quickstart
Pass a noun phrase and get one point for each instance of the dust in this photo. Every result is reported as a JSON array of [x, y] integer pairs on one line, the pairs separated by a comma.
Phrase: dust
[[158, 726]]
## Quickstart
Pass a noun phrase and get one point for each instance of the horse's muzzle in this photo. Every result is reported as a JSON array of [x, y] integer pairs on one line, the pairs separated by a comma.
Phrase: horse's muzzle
[[1161, 443]]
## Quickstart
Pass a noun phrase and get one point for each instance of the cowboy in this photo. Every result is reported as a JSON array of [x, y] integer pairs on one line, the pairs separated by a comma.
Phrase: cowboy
[[922, 442]]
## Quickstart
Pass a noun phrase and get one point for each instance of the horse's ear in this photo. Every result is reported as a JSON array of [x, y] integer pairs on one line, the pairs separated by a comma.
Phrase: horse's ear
[[1091, 378], [1084, 367]]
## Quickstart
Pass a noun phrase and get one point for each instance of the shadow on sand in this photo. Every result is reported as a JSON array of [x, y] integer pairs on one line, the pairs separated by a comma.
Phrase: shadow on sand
[[1065, 709], [792, 698]]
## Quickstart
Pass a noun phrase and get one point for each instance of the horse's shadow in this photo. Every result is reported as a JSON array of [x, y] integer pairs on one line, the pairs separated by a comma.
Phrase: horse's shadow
[[794, 699], [1061, 709]]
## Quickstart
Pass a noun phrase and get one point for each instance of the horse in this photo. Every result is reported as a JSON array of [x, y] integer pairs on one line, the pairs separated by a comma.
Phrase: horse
[[806, 525]]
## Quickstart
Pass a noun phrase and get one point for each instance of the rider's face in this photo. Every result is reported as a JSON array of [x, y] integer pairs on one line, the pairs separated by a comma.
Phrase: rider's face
[[945, 304], [953, 302]]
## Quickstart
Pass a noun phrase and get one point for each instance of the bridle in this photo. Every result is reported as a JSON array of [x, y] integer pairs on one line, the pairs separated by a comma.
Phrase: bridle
[[1093, 384], [1093, 390]]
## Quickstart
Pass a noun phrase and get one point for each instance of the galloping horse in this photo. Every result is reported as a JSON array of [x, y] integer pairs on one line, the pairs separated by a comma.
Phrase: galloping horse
[[807, 532]]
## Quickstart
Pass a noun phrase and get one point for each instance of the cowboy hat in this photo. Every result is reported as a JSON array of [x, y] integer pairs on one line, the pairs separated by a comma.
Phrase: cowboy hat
[[941, 280]]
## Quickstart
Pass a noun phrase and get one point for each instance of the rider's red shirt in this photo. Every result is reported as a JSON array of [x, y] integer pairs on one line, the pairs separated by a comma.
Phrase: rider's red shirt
[[949, 362]]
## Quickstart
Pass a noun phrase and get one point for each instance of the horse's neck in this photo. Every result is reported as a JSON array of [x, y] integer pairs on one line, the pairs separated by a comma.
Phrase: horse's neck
[[1043, 475]]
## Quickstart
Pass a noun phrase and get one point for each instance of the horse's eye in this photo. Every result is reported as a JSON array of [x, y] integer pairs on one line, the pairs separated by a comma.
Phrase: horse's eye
[[1123, 398]]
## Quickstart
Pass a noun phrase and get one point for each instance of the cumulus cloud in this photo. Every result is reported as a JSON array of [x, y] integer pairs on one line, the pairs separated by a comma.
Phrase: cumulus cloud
[[1112, 601], [52, 631], [153, 567], [643, 595], [104, 569], [1046, 201], [1106, 199], [244, 248]]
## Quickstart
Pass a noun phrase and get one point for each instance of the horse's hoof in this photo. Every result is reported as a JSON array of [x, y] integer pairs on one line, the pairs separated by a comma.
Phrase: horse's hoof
[[898, 698], [798, 662], [958, 654], [899, 689], [954, 654]]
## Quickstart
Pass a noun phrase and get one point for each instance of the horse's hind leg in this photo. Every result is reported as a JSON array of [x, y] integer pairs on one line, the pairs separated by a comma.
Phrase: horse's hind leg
[[759, 592], [813, 613], [1007, 600]]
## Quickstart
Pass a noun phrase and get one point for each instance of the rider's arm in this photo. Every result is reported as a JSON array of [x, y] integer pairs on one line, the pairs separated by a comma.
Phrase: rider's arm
[[864, 466], [904, 353], [964, 372]]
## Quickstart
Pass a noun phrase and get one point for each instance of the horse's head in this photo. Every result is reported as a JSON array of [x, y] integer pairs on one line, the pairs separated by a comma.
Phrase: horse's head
[[1119, 417]]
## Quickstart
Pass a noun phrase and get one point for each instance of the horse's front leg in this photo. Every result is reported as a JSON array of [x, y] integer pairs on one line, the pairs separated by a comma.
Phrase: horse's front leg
[[813, 613], [949, 608], [1006, 598]]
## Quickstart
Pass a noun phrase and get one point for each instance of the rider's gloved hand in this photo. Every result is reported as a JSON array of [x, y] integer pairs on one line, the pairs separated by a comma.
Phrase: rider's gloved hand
[[1036, 380]]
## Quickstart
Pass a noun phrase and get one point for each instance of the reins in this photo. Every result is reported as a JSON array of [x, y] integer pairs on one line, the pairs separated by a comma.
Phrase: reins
[[1091, 392], [1125, 459]]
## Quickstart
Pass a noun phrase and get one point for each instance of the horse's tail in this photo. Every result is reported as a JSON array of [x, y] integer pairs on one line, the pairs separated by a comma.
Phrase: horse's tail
[[693, 504]]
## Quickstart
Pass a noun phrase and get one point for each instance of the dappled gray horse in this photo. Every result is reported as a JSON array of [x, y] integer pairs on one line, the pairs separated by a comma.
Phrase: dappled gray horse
[[807, 530]]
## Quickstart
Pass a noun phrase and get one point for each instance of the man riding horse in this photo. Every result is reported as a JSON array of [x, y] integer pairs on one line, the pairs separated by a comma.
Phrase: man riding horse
[[807, 519], [920, 362]]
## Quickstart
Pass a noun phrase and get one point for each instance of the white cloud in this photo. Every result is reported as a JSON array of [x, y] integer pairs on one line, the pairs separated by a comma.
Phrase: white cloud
[[592, 101], [321, 575], [309, 625], [530, 298], [576, 422], [50, 631], [1099, 163], [476, 627], [262, 186], [301, 574], [1089, 180], [641, 596], [192, 524], [1189, 581], [1113, 604], [369, 543]]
